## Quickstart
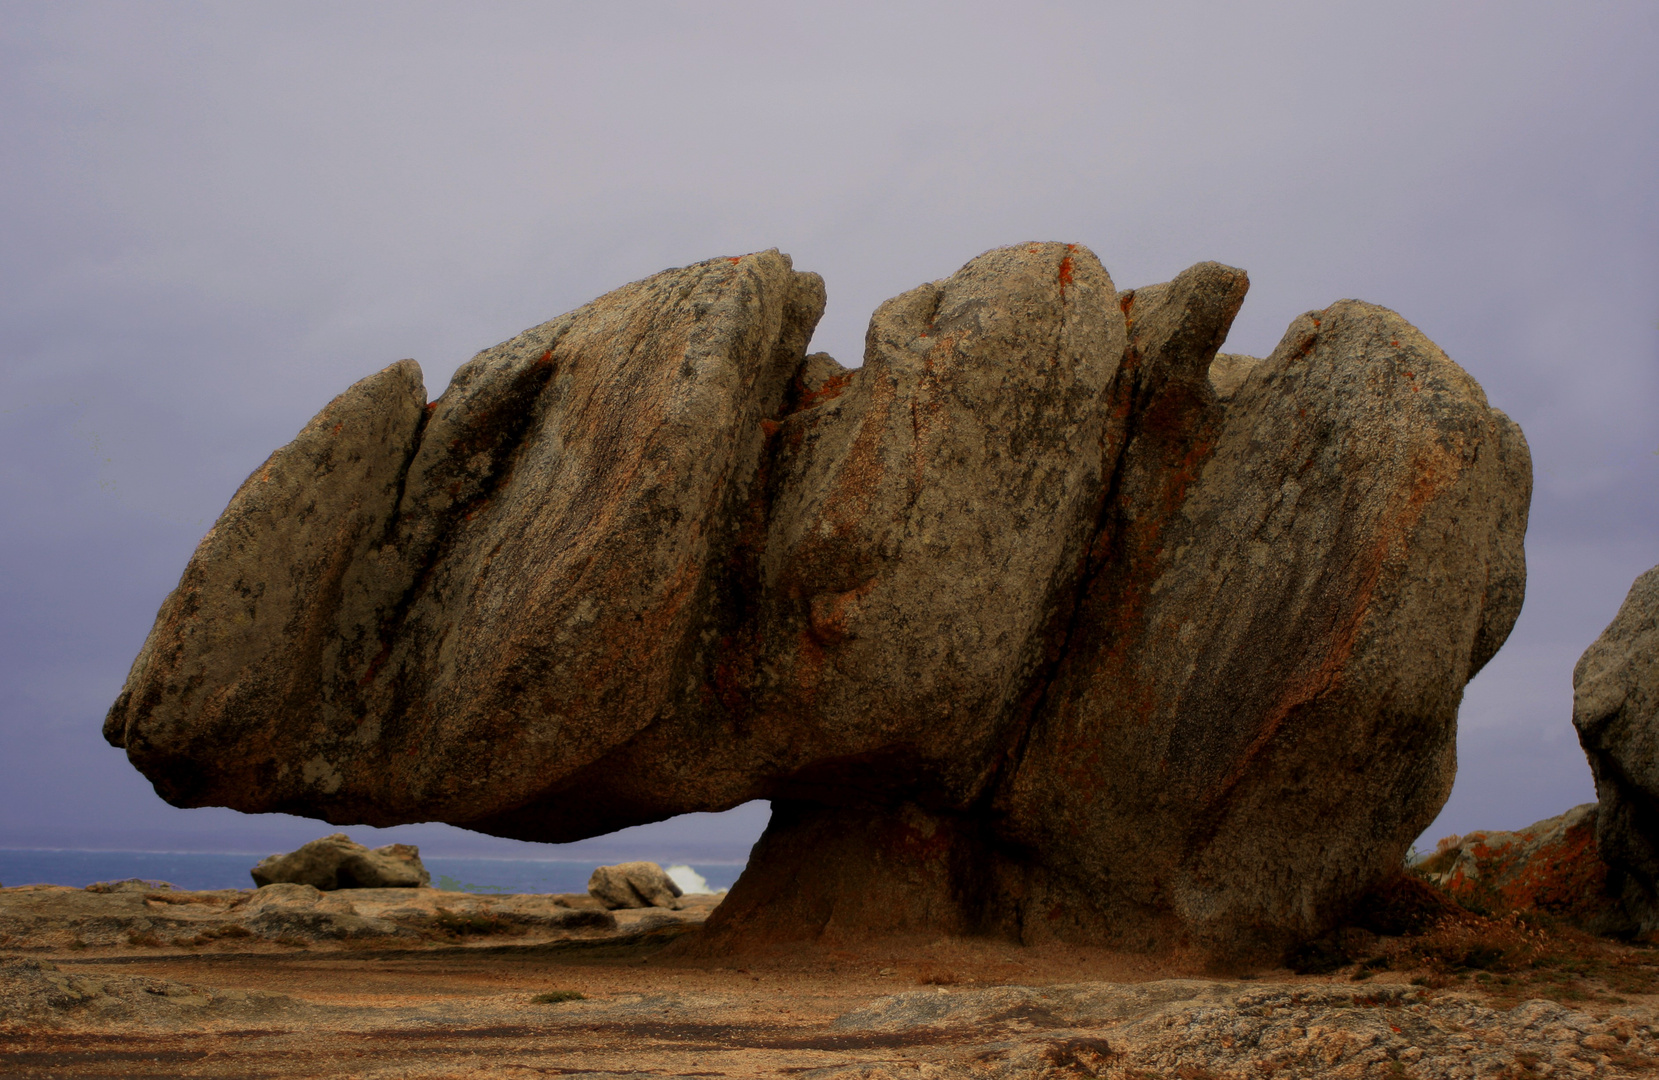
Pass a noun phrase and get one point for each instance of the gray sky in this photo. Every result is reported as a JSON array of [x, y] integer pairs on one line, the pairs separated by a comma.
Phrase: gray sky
[[213, 218]]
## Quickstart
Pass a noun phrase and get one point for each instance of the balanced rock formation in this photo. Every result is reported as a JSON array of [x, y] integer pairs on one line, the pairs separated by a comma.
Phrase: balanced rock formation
[[338, 862], [1616, 712], [1047, 621], [634, 885]]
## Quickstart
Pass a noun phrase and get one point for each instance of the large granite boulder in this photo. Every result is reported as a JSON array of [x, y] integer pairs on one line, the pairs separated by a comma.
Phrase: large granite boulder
[[1616, 712], [339, 862], [1047, 621]]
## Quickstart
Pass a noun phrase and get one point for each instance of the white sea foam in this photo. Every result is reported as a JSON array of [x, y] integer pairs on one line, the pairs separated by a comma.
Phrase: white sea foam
[[689, 880]]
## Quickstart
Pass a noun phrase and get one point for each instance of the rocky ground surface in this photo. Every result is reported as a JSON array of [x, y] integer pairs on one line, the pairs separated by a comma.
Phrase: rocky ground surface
[[289, 915], [405, 983]]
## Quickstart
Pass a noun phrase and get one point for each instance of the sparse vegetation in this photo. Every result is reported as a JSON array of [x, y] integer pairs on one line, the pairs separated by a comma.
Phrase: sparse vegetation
[[1408, 924], [553, 997]]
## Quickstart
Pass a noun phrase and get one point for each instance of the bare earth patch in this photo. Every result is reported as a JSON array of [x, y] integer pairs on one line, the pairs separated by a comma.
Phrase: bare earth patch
[[585, 1001]]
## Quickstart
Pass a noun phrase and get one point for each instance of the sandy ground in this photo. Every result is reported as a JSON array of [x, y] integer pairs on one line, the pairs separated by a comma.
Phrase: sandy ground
[[952, 1008]]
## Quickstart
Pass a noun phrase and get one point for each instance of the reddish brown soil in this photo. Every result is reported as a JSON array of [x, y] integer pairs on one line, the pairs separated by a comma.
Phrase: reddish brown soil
[[469, 1011]]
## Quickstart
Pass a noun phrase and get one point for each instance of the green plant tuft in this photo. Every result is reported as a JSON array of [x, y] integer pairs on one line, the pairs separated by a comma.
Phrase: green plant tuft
[[553, 997]]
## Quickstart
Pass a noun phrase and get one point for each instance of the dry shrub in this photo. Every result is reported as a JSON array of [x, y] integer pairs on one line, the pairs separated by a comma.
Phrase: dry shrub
[[1465, 942], [1519, 955], [1402, 904], [1471, 938], [937, 977]]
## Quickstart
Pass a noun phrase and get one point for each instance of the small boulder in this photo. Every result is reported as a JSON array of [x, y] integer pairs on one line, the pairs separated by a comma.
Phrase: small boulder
[[634, 885], [338, 862]]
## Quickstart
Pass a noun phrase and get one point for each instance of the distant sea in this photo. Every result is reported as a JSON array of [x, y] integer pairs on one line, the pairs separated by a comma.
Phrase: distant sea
[[194, 870]]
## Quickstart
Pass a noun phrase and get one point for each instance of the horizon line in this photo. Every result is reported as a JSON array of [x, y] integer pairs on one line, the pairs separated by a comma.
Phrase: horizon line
[[169, 851]]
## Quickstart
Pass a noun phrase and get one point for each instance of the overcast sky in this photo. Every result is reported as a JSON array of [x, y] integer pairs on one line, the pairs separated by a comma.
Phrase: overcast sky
[[213, 218]]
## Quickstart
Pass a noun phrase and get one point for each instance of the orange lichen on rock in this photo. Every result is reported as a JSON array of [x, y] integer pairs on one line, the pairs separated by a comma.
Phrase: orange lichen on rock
[[1551, 866]]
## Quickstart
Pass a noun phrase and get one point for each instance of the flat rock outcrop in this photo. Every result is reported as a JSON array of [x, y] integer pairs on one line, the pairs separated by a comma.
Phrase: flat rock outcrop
[[1047, 621], [1616, 712], [338, 862], [54, 916], [38, 990]]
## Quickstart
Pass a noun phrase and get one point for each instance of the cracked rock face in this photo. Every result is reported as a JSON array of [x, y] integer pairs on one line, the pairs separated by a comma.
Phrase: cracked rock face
[[1046, 621], [1616, 712]]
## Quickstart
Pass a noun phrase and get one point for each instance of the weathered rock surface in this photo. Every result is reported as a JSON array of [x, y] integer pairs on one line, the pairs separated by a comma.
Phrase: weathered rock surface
[[1200, 1028], [1616, 712], [410, 585], [338, 862], [50, 916], [634, 885], [288, 910], [36, 990], [1551, 866], [1267, 667], [71, 1020], [1047, 621]]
